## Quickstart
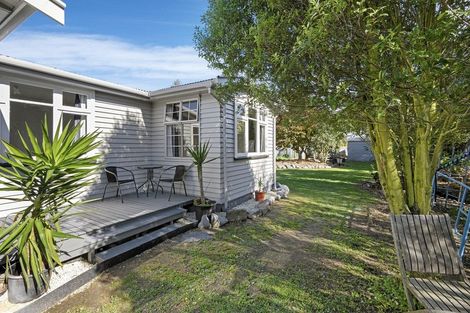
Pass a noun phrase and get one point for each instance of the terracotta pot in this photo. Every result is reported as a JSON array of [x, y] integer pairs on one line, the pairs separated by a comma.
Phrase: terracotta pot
[[260, 195]]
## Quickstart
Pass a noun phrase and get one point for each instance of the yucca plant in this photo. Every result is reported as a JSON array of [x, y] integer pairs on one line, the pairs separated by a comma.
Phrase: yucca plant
[[49, 175], [199, 155]]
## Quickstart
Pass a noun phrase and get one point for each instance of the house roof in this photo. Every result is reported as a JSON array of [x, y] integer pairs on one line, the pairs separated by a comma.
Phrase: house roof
[[14, 12], [189, 87], [11, 64], [357, 138]]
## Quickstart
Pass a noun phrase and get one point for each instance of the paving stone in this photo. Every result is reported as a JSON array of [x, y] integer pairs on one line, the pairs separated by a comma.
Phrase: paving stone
[[195, 236]]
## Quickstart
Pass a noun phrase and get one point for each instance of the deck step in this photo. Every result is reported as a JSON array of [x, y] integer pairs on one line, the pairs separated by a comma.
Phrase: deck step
[[138, 224], [109, 235], [145, 217], [133, 247]]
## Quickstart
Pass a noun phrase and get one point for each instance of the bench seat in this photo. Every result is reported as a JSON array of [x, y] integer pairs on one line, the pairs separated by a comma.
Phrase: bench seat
[[446, 295]]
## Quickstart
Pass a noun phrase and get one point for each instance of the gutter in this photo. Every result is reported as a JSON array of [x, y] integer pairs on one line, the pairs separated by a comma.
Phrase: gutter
[[22, 67]]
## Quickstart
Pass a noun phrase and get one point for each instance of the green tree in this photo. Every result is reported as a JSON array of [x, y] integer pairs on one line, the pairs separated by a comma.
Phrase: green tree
[[397, 68], [310, 133]]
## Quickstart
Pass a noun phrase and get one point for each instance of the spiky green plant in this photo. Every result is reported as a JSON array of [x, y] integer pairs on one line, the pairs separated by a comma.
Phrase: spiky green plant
[[199, 155], [50, 176]]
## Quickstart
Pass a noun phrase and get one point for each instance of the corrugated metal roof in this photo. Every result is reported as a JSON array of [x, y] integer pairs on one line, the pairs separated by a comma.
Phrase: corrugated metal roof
[[186, 84], [98, 82]]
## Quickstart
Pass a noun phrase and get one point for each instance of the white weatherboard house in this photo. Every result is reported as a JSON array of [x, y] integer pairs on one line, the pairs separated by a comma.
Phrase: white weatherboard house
[[140, 128], [137, 128]]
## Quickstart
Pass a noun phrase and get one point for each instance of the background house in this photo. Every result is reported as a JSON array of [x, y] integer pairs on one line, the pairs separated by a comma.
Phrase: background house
[[144, 128]]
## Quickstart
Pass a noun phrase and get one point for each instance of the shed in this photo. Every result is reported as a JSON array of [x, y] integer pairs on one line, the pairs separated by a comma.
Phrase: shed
[[359, 149]]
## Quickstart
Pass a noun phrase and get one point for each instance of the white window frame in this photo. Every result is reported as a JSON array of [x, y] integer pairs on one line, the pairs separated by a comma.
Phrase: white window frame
[[181, 111], [86, 112], [57, 103], [246, 120], [198, 133], [193, 123]]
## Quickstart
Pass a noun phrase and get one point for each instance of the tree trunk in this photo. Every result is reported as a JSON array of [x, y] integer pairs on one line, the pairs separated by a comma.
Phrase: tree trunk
[[422, 177], [201, 185], [406, 159], [382, 146], [381, 140]]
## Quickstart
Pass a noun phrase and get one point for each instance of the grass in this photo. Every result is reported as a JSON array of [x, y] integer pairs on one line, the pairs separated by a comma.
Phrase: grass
[[305, 256]]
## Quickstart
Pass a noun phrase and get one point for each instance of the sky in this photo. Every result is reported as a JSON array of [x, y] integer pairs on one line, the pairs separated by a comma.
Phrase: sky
[[145, 44]]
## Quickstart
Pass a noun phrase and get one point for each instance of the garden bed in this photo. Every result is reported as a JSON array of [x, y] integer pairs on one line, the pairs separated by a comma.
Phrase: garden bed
[[307, 164], [60, 279]]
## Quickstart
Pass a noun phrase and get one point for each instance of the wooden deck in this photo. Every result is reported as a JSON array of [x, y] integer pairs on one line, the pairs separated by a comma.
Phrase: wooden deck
[[102, 223]]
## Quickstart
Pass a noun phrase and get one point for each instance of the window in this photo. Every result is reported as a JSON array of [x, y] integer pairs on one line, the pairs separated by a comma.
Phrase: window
[[262, 138], [182, 111], [74, 100], [195, 136], [30, 93], [182, 128], [74, 120], [31, 114], [250, 135], [179, 137], [241, 143], [31, 104], [74, 111], [189, 110], [172, 112]]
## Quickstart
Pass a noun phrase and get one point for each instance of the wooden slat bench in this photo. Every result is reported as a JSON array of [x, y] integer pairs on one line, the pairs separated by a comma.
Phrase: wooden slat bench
[[430, 268]]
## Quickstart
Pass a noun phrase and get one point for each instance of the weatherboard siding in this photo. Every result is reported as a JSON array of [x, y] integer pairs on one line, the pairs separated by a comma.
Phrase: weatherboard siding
[[125, 127], [210, 131], [243, 174]]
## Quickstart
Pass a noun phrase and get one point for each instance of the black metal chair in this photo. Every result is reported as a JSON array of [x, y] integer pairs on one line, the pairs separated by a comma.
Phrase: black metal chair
[[180, 173], [113, 178]]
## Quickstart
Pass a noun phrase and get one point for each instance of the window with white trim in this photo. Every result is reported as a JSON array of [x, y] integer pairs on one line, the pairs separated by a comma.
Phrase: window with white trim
[[74, 111], [30, 104], [182, 127], [250, 137]]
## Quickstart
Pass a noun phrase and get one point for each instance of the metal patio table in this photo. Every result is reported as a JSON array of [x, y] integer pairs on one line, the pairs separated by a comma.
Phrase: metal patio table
[[150, 174]]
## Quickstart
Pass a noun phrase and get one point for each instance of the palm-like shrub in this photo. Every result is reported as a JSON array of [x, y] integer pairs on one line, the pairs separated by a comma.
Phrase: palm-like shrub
[[199, 155], [49, 175]]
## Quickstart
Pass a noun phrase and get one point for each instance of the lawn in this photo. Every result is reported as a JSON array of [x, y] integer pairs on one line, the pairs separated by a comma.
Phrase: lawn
[[318, 251]]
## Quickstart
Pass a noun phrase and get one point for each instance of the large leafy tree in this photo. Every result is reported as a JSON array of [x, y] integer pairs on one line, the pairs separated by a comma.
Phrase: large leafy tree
[[312, 133], [398, 68]]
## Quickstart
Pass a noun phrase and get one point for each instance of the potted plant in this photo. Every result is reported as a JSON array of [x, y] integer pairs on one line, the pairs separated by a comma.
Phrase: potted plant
[[202, 205], [260, 193], [50, 176]]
